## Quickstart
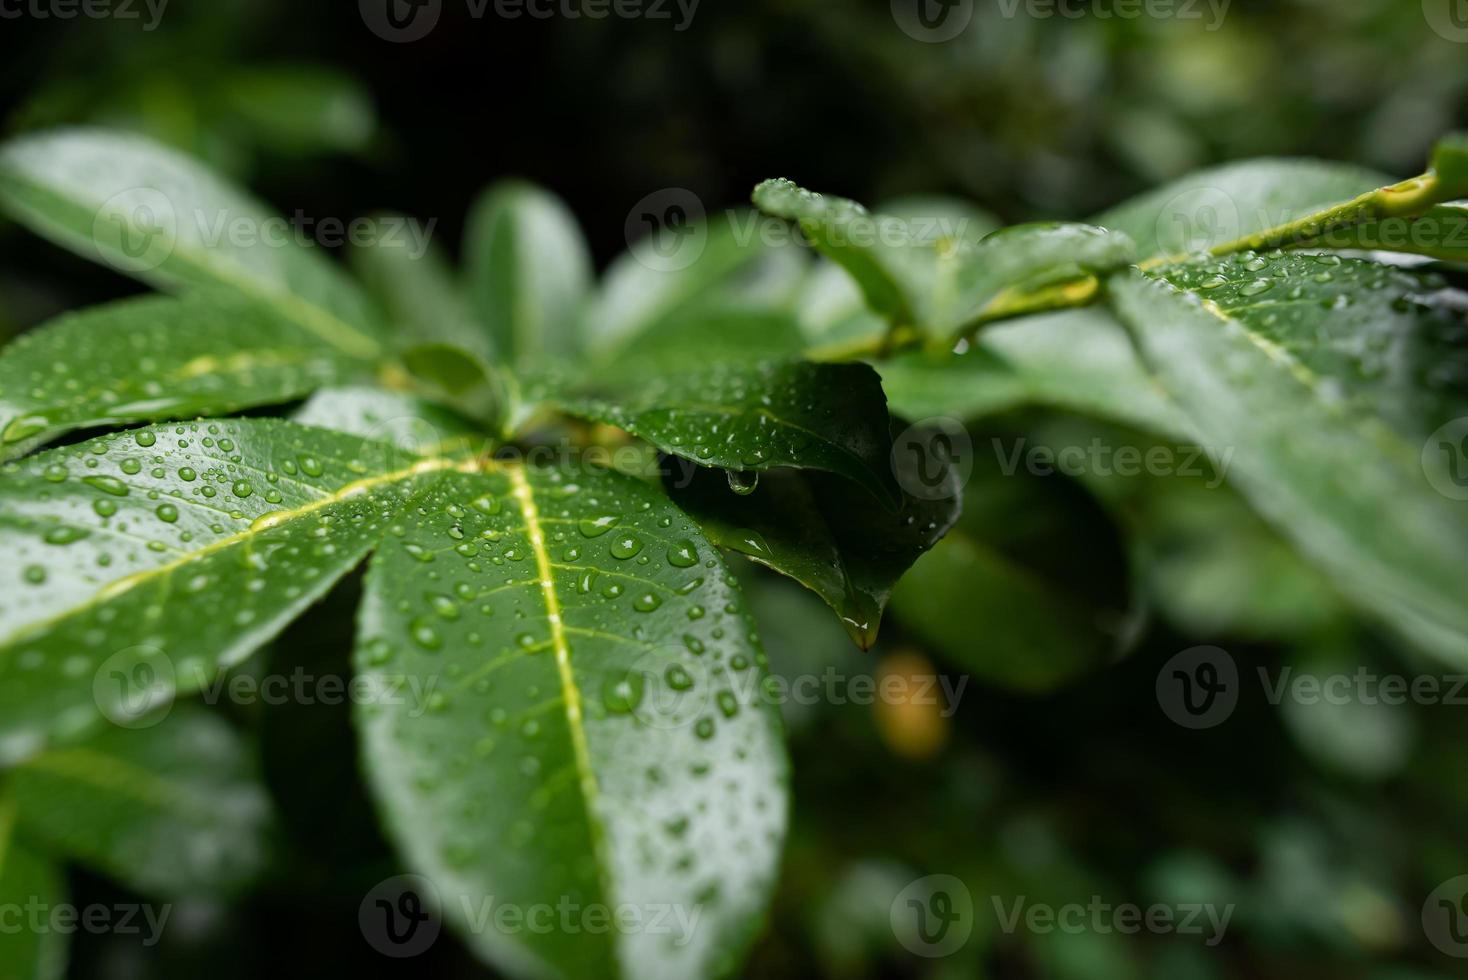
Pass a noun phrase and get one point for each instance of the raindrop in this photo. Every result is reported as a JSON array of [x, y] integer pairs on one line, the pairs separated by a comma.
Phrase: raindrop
[[683, 553], [743, 482], [626, 546]]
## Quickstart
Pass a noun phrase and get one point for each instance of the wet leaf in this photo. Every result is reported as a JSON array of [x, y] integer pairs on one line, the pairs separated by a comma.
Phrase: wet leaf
[[162, 358], [1327, 378], [590, 729], [161, 555], [830, 417]]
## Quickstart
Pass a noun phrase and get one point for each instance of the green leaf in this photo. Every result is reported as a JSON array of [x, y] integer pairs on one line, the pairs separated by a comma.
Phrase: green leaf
[[730, 269], [1327, 377], [702, 337], [830, 417], [157, 358], [300, 110], [28, 880], [1039, 574], [164, 554], [594, 735], [456, 377], [926, 275], [420, 427], [1267, 204], [419, 292], [528, 271], [1078, 360], [172, 809], [1212, 207], [881, 253], [1208, 562], [153, 213], [842, 546]]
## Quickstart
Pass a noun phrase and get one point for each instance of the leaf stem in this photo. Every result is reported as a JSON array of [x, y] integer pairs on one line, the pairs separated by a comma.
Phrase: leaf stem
[[1408, 197]]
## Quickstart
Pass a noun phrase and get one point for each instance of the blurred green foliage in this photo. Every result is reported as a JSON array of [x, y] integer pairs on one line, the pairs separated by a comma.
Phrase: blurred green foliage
[[1326, 825]]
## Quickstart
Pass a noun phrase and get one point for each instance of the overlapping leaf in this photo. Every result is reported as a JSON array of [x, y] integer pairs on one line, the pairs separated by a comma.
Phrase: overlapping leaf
[[941, 284], [157, 358], [1264, 204], [844, 547], [1328, 378], [595, 736], [830, 417], [418, 291], [1078, 360], [719, 267], [172, 808], [162, 554], [528, 271], [28, 880], [154, 213]]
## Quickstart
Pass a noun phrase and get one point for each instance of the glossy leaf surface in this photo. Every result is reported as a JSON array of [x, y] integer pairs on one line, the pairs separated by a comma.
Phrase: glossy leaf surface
[[143, 562], [844, 547], [1328, 378], [830, 417], [157, 358], [595, 734]]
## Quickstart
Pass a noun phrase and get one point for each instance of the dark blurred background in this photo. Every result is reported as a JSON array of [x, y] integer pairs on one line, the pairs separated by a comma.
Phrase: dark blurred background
[[1327, 829]]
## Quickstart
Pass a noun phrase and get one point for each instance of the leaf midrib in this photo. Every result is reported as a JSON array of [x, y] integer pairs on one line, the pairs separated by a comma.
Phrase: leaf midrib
[[571, 693]]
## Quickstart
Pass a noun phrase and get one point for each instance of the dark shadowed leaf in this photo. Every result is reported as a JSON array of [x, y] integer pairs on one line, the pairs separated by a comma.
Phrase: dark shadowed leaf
[[845, 547], [1030, 588], [175, 808], [753, 418], [27, 878]]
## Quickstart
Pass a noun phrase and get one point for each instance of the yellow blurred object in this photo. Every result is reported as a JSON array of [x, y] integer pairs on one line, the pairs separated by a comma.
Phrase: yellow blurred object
[[911, 706]]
